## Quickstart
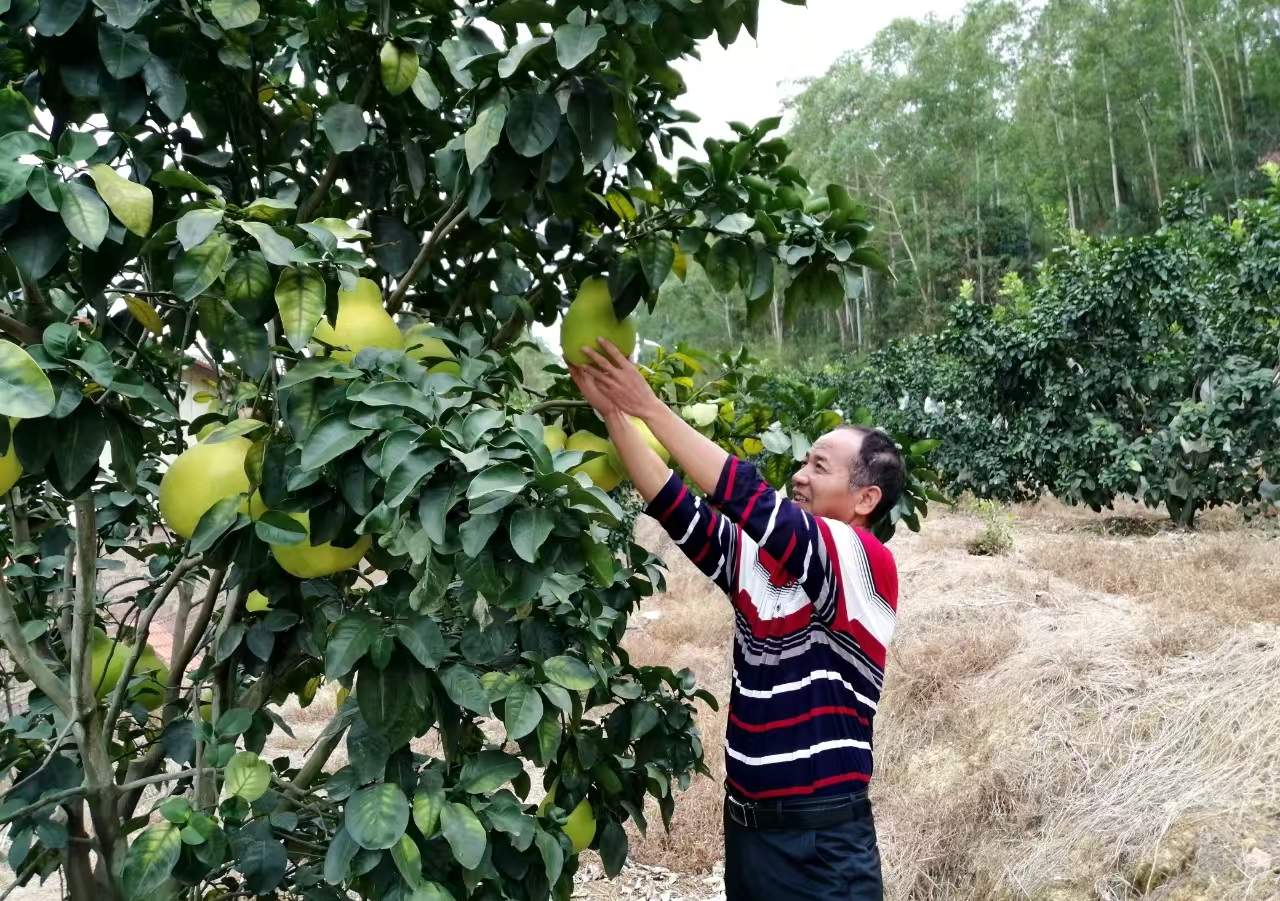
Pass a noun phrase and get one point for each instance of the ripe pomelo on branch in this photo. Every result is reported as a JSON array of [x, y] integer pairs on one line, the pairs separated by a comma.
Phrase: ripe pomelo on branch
[[201, 476], [554, 437], [615, 459], [150, 691], [10, 467], [581, 825], [604, 476], [430, 348], [362, 322], [311, 562], [591, 317]]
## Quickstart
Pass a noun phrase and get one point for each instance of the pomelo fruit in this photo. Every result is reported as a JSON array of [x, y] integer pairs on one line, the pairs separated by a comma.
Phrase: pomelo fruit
[[308, 562], [201, 476], [604, 476], [362, 322], [581, 825], [150, 691], [427, 346], [591, 317], [107, 662], [206, 705], [554, 437], [615, 459], [256, 602], [10, 468], [446, 366]]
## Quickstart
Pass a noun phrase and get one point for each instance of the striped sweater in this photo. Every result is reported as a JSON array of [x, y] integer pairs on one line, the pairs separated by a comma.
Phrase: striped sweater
[[814, 600]]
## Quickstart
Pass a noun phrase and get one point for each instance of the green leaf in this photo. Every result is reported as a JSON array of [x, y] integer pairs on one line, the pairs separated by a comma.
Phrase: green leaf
[[334, 435], [247, 776], [25, 391], [399, 65], [384, 703], [482, 137], [234, 429], [476, 532], [408, 860], [166, 87], [529, 529], [574, 43], [123, 53], [214, 523], [275, 247], [423, 639], [505, 478], [300, 297], [815, 285], [409, 473], [464, 689], [150, 859], [123, 13], [235, 13], [613, 848], [184, 182], [657, 255], [515, 56], [275, 527], [532, 123], [736, 224], [80, 442], [644, 716], [488, 770], [465, 834], [197, 225], [377, 816], [350, 641], [344, 125], [523, 711], [130, 202], [342, 850], [200, 267], [234, 722], [552, 854], [570, 672], [426, 811], [57, 16], [425, 90]]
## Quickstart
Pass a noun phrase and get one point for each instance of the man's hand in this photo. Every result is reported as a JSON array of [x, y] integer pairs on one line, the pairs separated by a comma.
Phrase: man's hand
[[586, 378], [618, 379]]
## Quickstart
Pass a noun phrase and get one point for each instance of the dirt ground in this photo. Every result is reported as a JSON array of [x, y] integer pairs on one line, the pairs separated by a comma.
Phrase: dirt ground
[[1089, 717]]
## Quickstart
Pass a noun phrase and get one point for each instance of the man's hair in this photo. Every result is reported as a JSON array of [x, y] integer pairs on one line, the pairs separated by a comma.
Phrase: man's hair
[[880, 464]]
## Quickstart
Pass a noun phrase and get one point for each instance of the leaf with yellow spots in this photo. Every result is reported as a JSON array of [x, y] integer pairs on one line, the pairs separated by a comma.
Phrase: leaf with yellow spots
[[145, 314]]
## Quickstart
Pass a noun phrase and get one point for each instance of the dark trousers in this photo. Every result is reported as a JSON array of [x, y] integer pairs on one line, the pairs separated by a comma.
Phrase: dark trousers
[[831, 862]]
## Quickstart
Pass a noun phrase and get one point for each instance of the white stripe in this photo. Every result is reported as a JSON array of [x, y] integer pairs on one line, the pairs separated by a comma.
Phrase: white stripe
[[773, 520], [802, 754], [861, 600], [693, 522], [803, 683]]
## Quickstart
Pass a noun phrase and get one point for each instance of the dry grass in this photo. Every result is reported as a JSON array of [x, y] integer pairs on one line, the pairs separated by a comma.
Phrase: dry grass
[[1091, 718]]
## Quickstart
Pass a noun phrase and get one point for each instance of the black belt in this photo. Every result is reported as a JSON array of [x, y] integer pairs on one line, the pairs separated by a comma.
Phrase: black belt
[[798, 813]]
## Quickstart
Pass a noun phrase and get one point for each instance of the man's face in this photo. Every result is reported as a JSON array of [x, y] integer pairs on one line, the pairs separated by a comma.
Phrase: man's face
[[822, 486]]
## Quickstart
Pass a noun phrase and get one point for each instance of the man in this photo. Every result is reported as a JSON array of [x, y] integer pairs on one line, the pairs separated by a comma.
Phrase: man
[[814, 596]]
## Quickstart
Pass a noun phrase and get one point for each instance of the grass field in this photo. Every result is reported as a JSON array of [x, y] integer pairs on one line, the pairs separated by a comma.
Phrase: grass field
[[1091, 716]]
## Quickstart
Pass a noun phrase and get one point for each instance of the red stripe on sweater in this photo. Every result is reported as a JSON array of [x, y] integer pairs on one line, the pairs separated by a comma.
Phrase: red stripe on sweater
[[799, 789], [702, 553], [733, 472], [684, 489], [746, 514], [796, 720]]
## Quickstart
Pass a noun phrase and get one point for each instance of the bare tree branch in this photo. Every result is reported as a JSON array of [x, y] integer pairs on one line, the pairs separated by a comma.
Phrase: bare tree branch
[[449, 219], [23, 655]]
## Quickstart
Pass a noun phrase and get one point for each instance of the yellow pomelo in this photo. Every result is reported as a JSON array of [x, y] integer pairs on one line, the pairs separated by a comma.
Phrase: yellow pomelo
[[307, 562], [256, 602], [428, 346], [201, 476], [554, 437], [445, 366], [107, 663], [362, 322], [615, 459], [206, 705], [150, 692], [10, 468], [581, 825], [591, 317], [602, 474]]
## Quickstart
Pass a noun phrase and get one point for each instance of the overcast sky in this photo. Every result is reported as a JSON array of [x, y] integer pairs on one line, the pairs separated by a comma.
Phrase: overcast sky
[[749, 81]]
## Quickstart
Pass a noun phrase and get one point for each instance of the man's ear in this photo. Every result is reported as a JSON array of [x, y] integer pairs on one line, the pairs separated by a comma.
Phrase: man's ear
[[867, 500]]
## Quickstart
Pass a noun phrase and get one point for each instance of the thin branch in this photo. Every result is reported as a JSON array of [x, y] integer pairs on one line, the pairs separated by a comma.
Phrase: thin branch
[[449, 219], [558, 405], [331, 169], [25, 333], [23, 655], [69, 793], [140, 640], [22, 877]]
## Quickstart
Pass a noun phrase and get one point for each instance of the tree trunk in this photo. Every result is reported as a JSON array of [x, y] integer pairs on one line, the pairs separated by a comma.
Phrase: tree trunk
[[858, 301], [728, 323], [1066, 168], [1225, 113], [1151, 154], [977, 168], [777, 324], [1111, 139]]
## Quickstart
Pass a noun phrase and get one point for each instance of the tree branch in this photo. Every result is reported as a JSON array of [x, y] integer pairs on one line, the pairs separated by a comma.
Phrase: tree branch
[[69, 793], [331, 169], [449, 219], [23, 655], [25, 333], [140, 640], [558, 405]]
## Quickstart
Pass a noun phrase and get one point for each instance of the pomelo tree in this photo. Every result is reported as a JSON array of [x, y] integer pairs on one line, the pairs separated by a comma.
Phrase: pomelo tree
[[262, 187]]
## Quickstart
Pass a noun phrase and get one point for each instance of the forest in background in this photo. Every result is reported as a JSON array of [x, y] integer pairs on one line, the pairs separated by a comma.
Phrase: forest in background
[[982, 143]]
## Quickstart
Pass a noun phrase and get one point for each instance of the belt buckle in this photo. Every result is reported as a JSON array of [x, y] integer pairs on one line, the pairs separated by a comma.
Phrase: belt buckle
[[747, 812]]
